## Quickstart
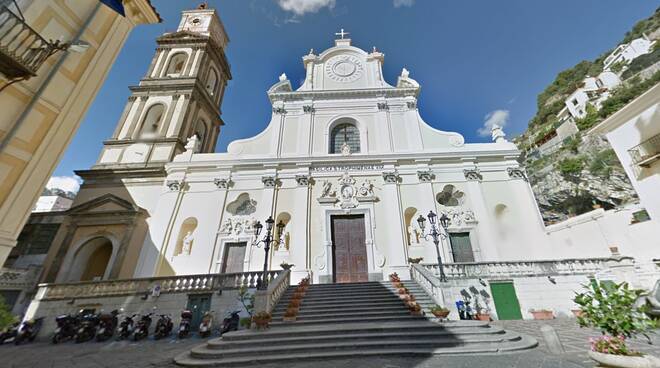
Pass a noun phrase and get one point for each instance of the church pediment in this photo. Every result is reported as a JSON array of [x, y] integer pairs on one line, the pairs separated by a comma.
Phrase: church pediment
[[107, 203], [181, 35]]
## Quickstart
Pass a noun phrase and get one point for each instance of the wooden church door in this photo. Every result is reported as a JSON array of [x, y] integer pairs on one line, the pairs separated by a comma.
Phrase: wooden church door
[[349, 249]]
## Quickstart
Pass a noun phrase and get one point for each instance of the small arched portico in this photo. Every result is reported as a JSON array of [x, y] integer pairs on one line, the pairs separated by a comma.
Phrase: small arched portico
[[92, 260]]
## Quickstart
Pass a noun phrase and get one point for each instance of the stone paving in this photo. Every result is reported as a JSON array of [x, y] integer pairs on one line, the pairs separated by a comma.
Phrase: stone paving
[[150, 353]]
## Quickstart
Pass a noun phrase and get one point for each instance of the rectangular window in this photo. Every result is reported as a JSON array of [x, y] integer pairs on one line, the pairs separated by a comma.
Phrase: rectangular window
[[461, 247]]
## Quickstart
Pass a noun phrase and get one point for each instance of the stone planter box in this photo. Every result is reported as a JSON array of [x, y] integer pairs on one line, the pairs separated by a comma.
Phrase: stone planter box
[[542, 315], [622, 361]]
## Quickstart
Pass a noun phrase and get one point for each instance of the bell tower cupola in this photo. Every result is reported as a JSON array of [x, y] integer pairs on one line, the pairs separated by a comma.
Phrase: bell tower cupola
[[180, 96]]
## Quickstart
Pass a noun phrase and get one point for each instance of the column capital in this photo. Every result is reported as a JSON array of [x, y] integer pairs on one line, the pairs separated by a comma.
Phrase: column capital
[[303, 180], [391, 177], [472, 174]]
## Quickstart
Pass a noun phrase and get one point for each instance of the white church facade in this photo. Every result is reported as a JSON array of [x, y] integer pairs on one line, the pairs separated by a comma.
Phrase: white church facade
[[346, 165]]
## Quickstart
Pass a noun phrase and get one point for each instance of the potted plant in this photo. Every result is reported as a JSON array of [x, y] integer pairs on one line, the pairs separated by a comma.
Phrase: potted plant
[[295, 303], [483, 311], [286, 266], [397, 285], [246, 322], [415, 260], [610, 307], [262, 320], [542, 314], [577, 312], [394, 277], [290, 314], [440, 312], [415, 309]]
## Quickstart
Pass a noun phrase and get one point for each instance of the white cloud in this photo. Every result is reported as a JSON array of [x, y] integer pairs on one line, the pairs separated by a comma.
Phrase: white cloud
[[496, 117], [400, 3], [65, 183], [300, 7]]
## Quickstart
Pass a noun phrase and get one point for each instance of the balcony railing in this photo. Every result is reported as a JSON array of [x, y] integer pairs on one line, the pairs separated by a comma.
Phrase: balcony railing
[[171, 284], [22, 49], [646, 152]]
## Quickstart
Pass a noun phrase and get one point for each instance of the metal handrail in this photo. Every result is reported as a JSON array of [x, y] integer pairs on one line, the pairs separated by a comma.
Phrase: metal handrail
[[647, 150]]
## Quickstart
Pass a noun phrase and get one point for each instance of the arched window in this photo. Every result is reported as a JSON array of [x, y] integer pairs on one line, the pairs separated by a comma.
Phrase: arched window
[[177, 62], [211, 82], [345, 133], [152, 121]]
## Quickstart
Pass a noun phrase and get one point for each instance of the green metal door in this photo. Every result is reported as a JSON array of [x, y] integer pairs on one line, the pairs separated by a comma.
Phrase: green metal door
[[506, 300], [198, 304]]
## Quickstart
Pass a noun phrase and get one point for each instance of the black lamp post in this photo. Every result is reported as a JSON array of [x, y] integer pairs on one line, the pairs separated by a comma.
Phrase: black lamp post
[[436, 234], [267, 240]]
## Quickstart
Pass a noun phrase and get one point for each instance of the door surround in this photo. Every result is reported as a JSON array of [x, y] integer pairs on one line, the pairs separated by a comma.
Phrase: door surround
[[375, 258]]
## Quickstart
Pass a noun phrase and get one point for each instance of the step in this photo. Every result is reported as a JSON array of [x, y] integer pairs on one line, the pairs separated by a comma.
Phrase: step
[[324, 295], [343, 308], [219, 343], [350, 319], [362, 327], [311, 346], [358, 314], [185, 359]]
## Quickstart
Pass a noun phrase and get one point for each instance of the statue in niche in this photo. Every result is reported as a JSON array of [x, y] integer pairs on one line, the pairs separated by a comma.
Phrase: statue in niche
[[413, 235], [327, 189], [187, 243]]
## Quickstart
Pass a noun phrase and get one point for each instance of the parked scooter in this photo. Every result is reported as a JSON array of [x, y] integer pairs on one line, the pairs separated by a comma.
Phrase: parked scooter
[[164, 326], [184, 325], [230, 323], [107, 325], [67, 326], [87, 327], [142, 327], [206, 325], [126, 327], [28, 330], [9, 333]]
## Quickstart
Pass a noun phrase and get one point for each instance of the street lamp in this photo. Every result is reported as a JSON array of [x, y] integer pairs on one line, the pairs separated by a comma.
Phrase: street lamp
[[436, 234], [267, 240]]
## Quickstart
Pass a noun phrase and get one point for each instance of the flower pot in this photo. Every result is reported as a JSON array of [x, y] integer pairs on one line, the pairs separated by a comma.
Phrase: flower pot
[[262, 323], [289, 319], [404, 297], [543, 315], [623, 361], [440, 314], [417, 313], [483, 316], [577, 312]]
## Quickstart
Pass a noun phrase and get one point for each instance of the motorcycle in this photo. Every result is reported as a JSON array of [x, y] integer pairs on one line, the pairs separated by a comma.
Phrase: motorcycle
[[231, 322], [107, 325], [67, 325], [87, 328], [142, 327], [164, 326], [28, 330], [206, 325], [9, 333], [126, 327], [184, 325]]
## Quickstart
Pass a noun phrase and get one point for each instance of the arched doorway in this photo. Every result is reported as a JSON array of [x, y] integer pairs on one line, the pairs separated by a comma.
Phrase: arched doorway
[[92, 260]]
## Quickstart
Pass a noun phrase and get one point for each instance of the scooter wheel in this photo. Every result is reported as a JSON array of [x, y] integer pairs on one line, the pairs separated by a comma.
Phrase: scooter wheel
[[56, 339]]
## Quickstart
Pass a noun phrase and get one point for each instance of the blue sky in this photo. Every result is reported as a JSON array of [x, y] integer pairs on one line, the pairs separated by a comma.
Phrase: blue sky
[[472, 57]]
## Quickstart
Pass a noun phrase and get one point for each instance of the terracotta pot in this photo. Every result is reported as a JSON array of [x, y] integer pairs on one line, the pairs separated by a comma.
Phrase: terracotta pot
[[622, 361], [483, 316], [416, 313], [542, 315], [404, 297], [577, 312], [440, 314], [262, 323]]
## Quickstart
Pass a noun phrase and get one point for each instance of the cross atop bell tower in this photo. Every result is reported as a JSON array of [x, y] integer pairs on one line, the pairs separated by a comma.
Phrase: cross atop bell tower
[[180, 96]]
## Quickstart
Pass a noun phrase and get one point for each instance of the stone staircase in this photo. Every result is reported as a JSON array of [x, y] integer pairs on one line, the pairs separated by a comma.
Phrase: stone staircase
[[348, 320]]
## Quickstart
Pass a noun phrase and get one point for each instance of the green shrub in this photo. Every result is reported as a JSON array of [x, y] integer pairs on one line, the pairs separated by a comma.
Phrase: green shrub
[[6, 318], [623, 95], [610, 308], [603, 163], [571, 168], [590, 119], [641, 63]]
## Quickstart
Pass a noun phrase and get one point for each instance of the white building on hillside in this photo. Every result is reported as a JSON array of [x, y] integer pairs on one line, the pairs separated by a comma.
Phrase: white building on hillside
[[594, 91], [627, 52]]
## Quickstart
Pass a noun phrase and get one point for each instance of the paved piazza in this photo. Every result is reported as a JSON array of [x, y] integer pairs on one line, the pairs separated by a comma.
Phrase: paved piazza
[[152, 353]]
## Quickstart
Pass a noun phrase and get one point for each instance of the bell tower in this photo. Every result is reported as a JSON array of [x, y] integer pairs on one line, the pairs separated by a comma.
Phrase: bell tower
[[180, 96]]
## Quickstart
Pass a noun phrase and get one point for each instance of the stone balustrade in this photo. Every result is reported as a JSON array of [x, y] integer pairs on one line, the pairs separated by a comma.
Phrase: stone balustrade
[[18, 278], [584, 266], [266, 300], [171, 284]]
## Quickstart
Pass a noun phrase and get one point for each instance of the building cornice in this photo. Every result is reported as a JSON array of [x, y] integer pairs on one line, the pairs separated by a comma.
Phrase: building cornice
[[343, 94]]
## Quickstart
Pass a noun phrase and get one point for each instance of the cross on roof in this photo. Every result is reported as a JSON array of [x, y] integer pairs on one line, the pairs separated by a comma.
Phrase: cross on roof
[[342, 34]]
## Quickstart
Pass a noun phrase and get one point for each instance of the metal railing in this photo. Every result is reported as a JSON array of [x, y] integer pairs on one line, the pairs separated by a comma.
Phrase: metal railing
[[22, 49], [171, 284], [646, 152]]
